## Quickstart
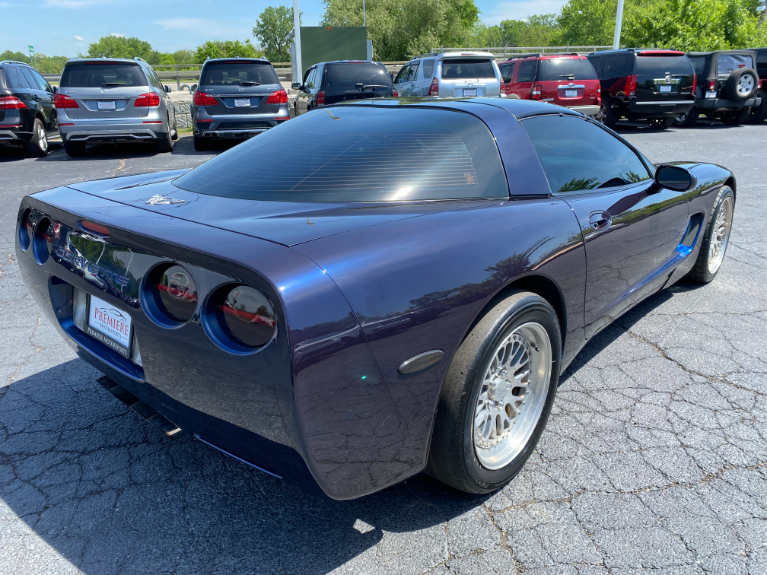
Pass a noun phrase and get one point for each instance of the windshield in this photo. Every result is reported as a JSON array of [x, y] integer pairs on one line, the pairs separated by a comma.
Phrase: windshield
[[461, 68], [728, 63], [698, 64], [99, 74], [661, 65], [235, 73], [558, 69], [355, 77], [359, 154]]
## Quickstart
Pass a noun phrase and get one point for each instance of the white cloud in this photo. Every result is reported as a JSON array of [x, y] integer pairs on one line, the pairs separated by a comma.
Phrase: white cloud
[[116, 35], [513, 10], [79, 38]]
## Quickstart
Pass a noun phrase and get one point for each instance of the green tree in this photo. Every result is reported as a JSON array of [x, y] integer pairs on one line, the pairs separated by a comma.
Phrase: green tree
[[226, 49], [44, 64], [588, 22], [119, 47], [271, 30]]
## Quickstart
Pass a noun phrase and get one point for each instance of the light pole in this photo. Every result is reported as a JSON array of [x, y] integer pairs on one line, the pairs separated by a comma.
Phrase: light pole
[[297, 38], [618, 22], [363, 12]]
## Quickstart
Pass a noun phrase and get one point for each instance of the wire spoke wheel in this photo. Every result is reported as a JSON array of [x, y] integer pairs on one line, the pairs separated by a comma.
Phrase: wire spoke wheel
[[512, 396], [720, 236]]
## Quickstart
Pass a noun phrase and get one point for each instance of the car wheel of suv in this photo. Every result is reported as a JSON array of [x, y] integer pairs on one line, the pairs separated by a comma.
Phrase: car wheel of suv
[[74, 149], [174, 137], [165, 143], [736, 117], [606, 115], [759, 114], [661, 123], [201, 144], [497, 395], [687, 119], [741, 84], [38, 146], [715, 239]]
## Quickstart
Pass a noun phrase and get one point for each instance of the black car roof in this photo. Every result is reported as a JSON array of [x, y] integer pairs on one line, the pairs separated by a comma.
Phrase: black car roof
[[746, 52], [236, 59], [634, 51], [518, 108]]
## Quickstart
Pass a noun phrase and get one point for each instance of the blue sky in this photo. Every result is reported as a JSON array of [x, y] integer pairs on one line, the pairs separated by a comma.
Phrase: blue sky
[[66, 27]]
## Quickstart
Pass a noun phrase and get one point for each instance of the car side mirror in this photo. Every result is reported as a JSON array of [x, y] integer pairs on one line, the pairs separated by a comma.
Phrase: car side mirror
[[193, 88], [674, 178], [296, 86]]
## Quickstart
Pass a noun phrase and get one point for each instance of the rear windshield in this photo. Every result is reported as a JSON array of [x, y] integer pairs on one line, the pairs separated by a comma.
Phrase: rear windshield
[[558, 69], [359, 154], [661, 65], [728, 63], [98, 74], [454, 68], [698, 64], [236, 73], [342, 78]]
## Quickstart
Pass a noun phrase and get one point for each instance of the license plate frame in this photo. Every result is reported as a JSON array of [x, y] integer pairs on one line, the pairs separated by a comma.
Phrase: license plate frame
[[100, 330], [571, 93], [469, 92], [242, 102], [107, 105], [665, 89]]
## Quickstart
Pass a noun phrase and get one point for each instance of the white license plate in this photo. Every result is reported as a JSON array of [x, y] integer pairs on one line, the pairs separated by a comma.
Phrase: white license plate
[[106, 105], [109, 325], [242, 102], [710, 94], [665, 88], [469, 91], [571, 93]]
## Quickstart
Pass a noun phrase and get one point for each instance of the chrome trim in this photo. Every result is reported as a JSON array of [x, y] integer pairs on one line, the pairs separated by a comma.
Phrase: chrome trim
[[662, 102], [571, 86], [667, 81]]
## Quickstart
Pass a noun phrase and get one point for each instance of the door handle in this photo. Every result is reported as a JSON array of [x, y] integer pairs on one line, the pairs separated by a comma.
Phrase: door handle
[[600, 221]]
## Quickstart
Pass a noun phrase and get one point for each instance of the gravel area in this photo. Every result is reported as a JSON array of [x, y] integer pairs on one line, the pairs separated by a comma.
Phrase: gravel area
[[654, 460]]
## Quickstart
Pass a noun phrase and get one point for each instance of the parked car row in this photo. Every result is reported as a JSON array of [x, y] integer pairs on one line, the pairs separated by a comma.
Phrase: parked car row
[[121, 100]]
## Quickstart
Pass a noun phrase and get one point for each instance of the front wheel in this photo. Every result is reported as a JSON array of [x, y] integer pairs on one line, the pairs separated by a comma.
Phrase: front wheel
[[37, 147], [661, 123], [736, 117], [715, 238], [759, 114], [497, 395], [606, 115], [687, 119]]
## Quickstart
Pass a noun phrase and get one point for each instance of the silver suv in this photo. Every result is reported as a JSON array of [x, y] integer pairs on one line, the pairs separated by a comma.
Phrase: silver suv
[[113, 100], [450, 75], [237, 98]]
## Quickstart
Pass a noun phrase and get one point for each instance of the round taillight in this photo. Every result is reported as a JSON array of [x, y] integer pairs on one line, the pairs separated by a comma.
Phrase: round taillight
[[244, 315], [174, 291], [26, 229], [42, 239]]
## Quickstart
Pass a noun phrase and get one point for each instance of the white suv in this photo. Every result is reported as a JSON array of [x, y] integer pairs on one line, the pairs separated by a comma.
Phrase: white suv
[[450, 75]]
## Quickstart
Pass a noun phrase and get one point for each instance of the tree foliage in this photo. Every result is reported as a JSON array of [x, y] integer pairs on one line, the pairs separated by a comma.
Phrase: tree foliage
[[226, 49], [400, 29], [588, 22], [44, 64], [119, 47], [537, 30], [271, 29]]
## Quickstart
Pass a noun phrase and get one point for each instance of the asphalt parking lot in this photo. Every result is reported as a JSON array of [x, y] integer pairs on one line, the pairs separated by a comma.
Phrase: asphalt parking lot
[[654, 460]]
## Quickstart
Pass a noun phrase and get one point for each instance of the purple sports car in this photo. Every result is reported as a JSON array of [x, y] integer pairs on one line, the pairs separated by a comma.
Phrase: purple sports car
[[370, 290]]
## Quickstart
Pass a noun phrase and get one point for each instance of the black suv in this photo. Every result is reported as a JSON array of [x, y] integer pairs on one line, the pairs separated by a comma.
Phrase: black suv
[[331, 82], [27, 114], [759, 113], [651, 85], [726, 86]]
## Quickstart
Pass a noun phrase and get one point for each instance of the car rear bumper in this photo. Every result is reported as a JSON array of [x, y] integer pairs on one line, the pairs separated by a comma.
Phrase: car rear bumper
[[659, 109], [146, 129], [725, 104], [592, 110], [236, 126], [10, 136]]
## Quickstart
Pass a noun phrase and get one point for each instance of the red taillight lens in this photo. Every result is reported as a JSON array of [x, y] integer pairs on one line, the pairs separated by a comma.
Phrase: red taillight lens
[[11, 103], [434, 88], [245, 316], [394, 93], [203, 99], [175, 292], [631, 86], [536, 92], [320, 97], [148, 100], [711, 86], [694, 83], [278, 97]]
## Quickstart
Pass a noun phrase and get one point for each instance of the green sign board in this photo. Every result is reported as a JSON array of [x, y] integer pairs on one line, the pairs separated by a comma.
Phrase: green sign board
[[325, 43], [31, 49]]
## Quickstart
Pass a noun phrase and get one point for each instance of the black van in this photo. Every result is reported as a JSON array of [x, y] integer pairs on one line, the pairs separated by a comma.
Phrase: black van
[[648, 85]]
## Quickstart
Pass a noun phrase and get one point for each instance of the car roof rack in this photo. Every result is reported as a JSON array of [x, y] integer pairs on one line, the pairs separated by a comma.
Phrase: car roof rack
[[515, 56], [139, 59], [14, 62], [427, 55]]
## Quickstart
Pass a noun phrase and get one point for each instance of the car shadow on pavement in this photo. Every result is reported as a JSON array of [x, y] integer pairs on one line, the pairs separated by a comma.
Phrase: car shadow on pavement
[[109, 492]]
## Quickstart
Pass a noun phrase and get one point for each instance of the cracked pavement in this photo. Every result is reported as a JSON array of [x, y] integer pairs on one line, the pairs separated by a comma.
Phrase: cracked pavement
[[654, 459]]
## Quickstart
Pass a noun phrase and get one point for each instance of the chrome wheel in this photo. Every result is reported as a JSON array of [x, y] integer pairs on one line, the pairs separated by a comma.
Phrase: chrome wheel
[[720, 236], [42, 139], [746, 85], [601, 116], [681, 118], [512, 396]]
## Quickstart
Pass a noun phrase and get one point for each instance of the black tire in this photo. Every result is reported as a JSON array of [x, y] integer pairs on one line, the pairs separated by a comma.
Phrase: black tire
[[759, 113], [735, 117], [661, 123], [606, 115], [687, 120], [701, 271], [733, 89], [37, 147], [174, 137], [164, 143], [74, 149], [452, 457], [201, 144]]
